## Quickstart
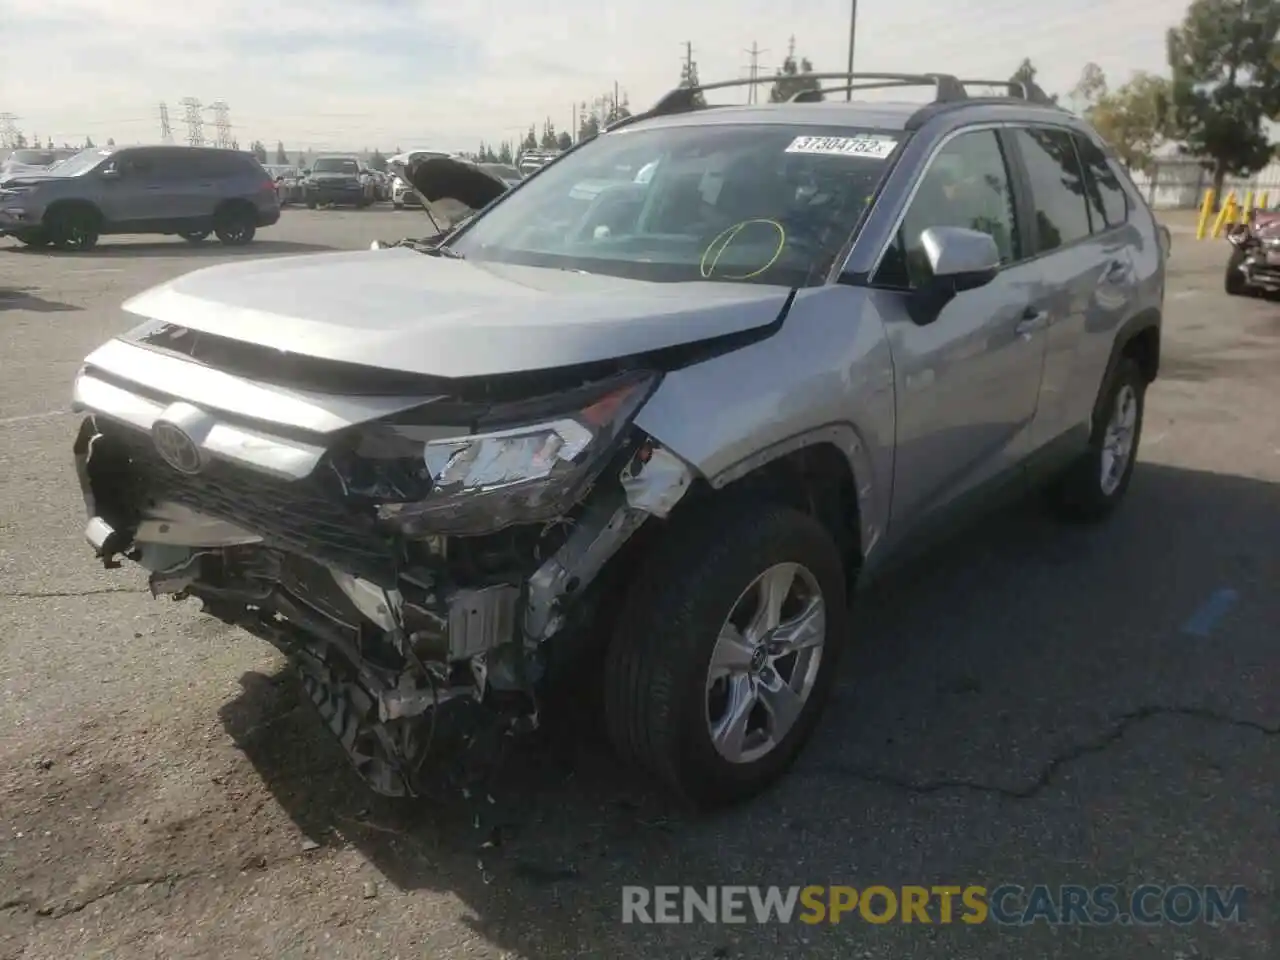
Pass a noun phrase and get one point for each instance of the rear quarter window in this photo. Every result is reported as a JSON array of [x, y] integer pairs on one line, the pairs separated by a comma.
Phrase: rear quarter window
[[1108, 202]]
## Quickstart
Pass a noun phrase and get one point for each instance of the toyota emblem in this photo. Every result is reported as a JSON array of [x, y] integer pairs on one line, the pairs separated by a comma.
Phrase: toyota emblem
[[176, 448]]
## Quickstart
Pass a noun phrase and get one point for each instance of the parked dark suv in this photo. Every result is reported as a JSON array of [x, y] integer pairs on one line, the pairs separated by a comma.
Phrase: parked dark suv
[[187, 191]]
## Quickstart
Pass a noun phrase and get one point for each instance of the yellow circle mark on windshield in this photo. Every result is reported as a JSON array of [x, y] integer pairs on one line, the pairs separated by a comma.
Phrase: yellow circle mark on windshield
[[727, 237]]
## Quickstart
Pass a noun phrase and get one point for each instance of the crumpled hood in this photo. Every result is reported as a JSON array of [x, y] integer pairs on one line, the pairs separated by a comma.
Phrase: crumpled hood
[[1265, 223], [402, 310]]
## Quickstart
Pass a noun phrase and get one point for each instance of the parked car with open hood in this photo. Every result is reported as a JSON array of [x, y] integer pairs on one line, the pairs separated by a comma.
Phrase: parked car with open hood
[[402, 192], [189, 192], [636, 437]]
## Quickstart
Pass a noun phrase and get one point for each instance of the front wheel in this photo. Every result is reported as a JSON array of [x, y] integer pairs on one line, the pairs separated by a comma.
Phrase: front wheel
[[73, 229], [1096, 483], [726, 649], [1234, 282]]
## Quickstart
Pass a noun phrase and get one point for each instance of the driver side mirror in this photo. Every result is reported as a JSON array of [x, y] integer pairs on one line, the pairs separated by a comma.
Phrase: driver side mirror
[[959, 259]]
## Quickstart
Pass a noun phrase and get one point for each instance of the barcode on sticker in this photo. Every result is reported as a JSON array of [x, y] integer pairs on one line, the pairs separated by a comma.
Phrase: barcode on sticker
[[876, 147]]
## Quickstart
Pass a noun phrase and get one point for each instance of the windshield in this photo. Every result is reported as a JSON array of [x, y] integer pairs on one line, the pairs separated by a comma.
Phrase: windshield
[[79, 163], [761, 203], [335, 165]]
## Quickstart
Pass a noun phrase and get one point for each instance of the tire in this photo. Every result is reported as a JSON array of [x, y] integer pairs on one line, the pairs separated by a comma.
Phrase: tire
[[195, 236], [235, 226], [1234, 282], [659, 708], [34, 238], [1082, 494], [73, 228]]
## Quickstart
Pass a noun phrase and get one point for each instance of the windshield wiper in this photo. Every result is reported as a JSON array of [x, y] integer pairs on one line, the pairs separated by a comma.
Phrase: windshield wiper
[[435, 250]]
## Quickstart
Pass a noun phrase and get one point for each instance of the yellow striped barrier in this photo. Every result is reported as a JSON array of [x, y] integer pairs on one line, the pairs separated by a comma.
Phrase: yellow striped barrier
[[1226, 215]]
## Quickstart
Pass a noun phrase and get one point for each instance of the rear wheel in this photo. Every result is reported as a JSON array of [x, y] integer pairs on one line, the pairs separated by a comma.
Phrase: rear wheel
[[1234, 283], [195, 236], [726, 650], [1096, 483], [236, 225], [73, 228]]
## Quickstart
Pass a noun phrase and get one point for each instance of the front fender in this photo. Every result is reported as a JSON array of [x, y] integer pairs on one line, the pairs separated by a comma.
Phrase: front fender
[[825, 378]]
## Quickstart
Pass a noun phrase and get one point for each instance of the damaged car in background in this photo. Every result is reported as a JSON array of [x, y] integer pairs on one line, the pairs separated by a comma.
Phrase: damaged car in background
[[1253, 269], [627, 437]]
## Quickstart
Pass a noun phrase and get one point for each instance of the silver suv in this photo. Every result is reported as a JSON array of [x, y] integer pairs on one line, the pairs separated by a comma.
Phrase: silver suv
[[636, 436], [187, 191]]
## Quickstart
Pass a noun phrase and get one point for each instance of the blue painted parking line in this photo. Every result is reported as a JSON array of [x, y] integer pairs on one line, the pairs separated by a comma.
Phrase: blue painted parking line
[[1211, 612]]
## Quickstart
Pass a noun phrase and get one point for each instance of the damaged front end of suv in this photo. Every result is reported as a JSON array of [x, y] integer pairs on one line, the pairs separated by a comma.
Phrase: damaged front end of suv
[[412, 555]]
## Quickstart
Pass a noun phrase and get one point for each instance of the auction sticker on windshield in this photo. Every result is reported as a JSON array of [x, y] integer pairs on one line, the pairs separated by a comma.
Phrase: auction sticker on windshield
[[877, 148]]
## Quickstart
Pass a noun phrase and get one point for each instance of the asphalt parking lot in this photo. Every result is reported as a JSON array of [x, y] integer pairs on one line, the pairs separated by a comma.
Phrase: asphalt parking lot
[[1029, 704]]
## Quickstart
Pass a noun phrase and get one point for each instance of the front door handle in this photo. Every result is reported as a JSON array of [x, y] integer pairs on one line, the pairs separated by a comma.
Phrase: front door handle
[[1032, 320]]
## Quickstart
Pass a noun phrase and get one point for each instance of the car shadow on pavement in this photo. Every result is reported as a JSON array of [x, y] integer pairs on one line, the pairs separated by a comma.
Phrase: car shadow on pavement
[[977, 673], [177, 249], [17, 298]]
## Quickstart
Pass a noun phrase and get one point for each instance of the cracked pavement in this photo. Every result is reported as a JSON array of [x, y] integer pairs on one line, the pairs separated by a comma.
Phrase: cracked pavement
[[1023, 705]]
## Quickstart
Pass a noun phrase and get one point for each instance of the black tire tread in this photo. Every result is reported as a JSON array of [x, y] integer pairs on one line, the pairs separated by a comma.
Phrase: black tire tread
[[659, 617]]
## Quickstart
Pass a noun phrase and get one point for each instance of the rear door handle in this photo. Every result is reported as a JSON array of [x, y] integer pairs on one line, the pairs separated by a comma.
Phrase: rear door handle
[[1032, 320]]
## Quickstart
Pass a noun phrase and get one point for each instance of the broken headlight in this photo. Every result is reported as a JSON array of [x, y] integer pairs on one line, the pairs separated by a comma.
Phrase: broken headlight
[[528, 472]]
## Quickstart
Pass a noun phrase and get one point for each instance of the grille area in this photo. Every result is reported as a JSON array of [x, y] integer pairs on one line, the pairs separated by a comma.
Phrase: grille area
[[302, 517]]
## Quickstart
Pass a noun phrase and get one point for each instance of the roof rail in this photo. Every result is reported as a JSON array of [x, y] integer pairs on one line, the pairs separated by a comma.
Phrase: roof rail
[[816, 94], [1017, 90], [946, 87]]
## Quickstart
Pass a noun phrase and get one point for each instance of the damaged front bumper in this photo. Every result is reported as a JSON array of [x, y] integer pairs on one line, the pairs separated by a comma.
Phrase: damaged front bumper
[[395, 602]]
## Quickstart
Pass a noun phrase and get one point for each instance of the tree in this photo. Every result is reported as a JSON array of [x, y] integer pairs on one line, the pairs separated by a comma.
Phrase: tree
[[618, 110], [1026, 73], [282, 158], [1226, 82], [548, 141], [530, 141], [1090, 88], [504, 154], [111, 141], [377, 161], [20, 141], [792, 77], [1133, 118], [302, 160], [88, 143], [589, 128], [563, 141], [258, 149], [689, 78]]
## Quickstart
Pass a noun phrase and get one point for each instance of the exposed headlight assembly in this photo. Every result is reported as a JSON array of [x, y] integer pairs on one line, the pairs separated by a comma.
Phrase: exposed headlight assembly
[[524, 472]]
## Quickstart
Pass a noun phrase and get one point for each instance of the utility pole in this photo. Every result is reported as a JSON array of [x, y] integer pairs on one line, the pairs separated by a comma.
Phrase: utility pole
[[8, 130], [166, 131], [688, 58], [853, 36], [222, 119], [195, 123], [754, 71]]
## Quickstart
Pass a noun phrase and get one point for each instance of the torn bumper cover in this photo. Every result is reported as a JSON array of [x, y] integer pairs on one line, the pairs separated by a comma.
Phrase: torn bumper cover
[[407, 567]]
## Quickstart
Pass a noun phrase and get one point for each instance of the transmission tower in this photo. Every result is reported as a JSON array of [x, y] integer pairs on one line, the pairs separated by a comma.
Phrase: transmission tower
[[754, 72], [166, 131], [8, 130], [222, 119], [195, 123]]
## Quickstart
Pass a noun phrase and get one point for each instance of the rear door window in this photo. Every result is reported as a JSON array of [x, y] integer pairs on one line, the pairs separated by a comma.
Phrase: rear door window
[[1061, 213]]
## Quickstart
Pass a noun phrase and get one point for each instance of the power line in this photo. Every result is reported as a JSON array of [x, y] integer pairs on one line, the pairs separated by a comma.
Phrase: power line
[[194, 122]]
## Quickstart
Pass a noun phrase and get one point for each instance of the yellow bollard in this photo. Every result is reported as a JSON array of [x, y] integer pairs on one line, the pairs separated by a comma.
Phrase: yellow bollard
[[1262, 200], [1247, 210], [1206, 211], [1225, 215]]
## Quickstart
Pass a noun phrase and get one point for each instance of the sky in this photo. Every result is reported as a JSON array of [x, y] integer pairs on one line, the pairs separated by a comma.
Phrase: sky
[[447, 74]]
